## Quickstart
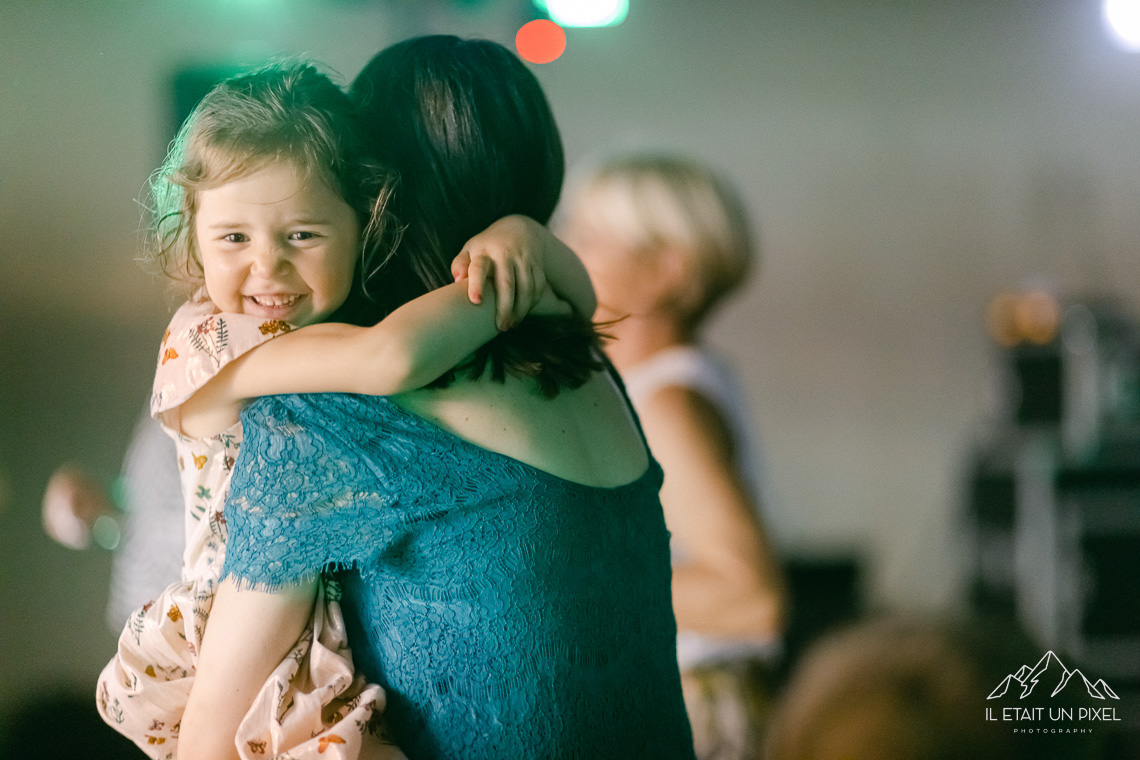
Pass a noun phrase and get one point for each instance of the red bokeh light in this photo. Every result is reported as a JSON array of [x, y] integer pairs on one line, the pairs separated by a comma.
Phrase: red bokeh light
[[540, 41]]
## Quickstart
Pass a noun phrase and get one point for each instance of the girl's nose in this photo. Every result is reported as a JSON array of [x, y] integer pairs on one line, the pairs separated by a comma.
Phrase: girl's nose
[[269, 258]]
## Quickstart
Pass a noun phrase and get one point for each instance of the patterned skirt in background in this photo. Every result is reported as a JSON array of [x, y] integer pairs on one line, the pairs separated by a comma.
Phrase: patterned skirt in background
[[728, 704]]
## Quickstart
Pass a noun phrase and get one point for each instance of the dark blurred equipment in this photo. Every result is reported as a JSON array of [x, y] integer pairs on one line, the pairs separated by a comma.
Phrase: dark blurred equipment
[[1070, 369], [1053, 493], [827, 593]]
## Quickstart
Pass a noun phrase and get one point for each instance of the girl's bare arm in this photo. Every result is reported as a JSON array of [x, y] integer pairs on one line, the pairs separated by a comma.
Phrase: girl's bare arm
[[248, 636], [415, 344], [411, 347]]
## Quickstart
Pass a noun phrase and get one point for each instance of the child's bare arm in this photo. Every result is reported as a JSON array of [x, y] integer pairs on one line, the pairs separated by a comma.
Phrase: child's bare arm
[[248, 636], [415, 344], [411, 347], [518, 251]]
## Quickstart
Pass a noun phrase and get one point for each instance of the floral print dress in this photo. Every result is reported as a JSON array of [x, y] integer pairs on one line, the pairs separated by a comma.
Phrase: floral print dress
[[313, 705]]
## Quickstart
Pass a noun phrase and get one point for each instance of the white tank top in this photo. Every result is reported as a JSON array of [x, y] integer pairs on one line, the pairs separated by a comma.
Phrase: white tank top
[[692, 367]]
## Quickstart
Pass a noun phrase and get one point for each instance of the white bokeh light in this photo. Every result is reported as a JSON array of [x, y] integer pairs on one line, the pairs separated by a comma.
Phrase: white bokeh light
[[1123, 18], [585, 12]]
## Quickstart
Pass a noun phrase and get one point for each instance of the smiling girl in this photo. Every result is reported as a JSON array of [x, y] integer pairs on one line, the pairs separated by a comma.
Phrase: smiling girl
[[266, 204]]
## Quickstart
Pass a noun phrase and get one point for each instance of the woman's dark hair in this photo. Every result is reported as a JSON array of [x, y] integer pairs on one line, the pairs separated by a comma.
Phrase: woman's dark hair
[[467, 129]]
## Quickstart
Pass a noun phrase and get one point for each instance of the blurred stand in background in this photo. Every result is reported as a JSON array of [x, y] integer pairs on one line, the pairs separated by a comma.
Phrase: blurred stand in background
[[1052, 496]]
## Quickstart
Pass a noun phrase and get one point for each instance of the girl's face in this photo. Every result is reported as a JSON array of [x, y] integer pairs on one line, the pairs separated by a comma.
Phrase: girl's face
[[277, 246]]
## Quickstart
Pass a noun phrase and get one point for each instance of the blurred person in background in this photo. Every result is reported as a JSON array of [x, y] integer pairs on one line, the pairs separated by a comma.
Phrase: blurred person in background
[[145, 504], [905, 688], [146, 507], [149, 555], [666, 241]]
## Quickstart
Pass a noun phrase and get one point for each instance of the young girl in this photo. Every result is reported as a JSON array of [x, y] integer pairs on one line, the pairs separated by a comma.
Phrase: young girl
[[506, 560], [267, 202], [665, 241]]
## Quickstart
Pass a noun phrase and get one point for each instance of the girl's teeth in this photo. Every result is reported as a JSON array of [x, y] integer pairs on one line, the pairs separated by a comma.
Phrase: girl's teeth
[[274, 302]]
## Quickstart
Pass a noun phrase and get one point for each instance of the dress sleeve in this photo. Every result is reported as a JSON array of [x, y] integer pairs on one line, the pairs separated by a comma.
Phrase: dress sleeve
[[304, 496], [199, 342]]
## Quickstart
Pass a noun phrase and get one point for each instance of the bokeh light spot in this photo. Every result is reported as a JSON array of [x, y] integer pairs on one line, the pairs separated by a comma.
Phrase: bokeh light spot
[[1038, 317], [540, 41], [106, 532], [585, 12], [1123, 17], [1014, 318]]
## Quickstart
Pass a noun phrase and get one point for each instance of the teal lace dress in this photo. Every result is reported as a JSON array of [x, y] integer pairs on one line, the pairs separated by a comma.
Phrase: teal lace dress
[[509, 613]]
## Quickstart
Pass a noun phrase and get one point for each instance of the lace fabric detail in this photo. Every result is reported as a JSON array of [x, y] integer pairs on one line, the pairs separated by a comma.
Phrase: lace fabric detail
[[305, 501], [506, 612]]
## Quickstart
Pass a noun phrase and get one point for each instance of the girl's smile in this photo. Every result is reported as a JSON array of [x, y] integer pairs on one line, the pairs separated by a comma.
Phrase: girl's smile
[[277, 244]]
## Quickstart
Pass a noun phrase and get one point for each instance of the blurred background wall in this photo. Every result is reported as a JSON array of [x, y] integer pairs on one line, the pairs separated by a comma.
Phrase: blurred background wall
[[903, 162]]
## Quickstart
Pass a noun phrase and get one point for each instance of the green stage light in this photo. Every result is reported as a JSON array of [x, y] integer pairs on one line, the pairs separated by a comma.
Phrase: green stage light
[[585, 12]]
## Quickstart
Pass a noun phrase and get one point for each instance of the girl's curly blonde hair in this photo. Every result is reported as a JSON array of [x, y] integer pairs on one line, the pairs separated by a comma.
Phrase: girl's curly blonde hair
[[285, 111]]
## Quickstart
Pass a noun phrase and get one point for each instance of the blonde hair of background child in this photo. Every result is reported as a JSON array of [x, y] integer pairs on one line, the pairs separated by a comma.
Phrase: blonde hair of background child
[[284, 111], [647, 203]]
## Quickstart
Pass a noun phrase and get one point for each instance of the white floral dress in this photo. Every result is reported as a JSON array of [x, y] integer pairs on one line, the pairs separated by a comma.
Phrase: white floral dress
[[313, 705]]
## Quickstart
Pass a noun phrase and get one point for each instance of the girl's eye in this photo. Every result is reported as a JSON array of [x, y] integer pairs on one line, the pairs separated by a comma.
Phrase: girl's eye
[[303, 235], [235, 237]]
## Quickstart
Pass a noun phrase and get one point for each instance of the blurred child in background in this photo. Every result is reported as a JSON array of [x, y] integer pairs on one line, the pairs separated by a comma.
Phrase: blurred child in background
[[665, 242]]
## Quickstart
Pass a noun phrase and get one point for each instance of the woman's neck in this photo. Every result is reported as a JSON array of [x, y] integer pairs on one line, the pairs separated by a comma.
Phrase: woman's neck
[[636, 338]]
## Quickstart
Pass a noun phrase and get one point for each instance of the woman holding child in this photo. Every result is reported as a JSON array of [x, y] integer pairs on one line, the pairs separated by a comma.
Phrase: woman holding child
[[497, 534]]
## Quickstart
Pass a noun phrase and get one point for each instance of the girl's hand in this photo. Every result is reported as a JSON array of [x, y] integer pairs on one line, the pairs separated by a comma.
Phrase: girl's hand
[[511, 251]]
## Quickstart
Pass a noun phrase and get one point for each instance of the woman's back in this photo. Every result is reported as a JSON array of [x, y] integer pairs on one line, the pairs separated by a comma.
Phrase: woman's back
[[522, 607], [586, 435], [507, 611]]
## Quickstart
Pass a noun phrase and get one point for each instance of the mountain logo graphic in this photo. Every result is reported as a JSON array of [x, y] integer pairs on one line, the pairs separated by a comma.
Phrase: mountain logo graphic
[[1050, 670]]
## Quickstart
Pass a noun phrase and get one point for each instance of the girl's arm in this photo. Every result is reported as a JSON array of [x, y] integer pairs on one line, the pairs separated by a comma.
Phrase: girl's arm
[[730, 583], [245, 641], [501, 250], [412, 346]]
